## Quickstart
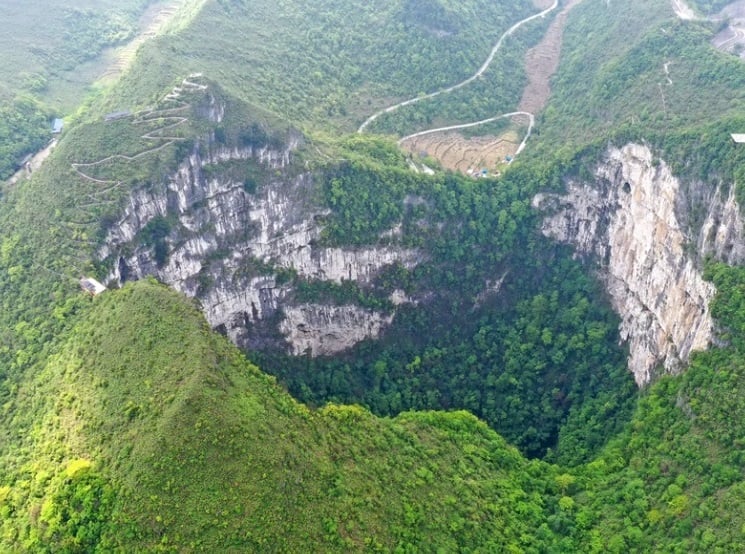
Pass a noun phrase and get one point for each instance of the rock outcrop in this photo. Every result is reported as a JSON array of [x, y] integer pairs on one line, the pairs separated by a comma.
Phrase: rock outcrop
[[322, 330], [228, 246], [633, 222]]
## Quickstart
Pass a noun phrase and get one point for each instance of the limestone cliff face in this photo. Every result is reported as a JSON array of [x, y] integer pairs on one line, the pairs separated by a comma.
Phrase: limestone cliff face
[[323, 330], [225, 246], [634, 222]]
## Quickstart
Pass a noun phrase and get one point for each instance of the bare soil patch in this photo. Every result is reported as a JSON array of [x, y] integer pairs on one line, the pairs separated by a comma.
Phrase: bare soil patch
[[543, 4], [542, 61]]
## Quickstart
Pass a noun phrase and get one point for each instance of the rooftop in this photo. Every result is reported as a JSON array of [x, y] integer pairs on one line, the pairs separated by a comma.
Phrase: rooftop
[[90, 285]]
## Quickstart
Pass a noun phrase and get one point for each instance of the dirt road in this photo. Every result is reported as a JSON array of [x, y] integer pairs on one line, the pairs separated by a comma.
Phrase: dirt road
[[34, 163], [472, 155]]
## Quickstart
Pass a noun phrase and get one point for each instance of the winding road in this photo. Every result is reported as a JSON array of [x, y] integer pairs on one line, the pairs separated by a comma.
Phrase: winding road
[[484, 67], [163, 115]]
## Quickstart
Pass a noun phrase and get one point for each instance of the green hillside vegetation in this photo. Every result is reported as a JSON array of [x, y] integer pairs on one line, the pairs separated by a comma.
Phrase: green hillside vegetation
[[49, 61], [332, 63], [24, 128], [50, 41], [366, 197], [527, 360], [129, 426], [145, 431], [596, 94], [710, 6]]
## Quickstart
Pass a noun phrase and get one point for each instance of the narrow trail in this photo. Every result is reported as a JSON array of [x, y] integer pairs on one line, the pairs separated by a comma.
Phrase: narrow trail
[[153, 21], [101, 186], [666, 68], [35, 162], [462, 84], [163, 115]]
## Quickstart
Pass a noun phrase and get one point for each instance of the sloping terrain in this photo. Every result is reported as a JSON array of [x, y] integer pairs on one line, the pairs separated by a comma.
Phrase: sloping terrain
[[188, 447], [130, 425], [455, 152]]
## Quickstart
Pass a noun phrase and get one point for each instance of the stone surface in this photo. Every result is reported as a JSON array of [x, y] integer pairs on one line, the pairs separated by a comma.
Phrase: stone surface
[[225, 246], [633, 224], [322, 330]]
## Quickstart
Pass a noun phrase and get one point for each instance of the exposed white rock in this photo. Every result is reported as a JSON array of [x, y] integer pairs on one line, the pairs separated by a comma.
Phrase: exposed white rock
[[627, 222], [222, 239], [721, 235], [324, 330], [491, 288]]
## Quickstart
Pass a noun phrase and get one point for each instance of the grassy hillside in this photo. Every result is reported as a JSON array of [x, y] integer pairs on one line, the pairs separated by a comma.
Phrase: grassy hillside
[[633, 67], [331, 63], [51, 57], [128, 426], [145, 431], [51, 41]]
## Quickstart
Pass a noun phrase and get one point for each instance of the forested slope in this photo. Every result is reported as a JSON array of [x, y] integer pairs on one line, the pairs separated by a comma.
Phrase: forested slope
[[129, 426], [332, 64], [145, 431], [51, 56]]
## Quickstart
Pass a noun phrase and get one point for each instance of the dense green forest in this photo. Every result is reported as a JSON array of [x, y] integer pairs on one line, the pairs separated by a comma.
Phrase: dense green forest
[[49, 62], [183, 445], [500, 421], [663, 76], [533, 360], [709, 7], [331, 64], [24, 128]]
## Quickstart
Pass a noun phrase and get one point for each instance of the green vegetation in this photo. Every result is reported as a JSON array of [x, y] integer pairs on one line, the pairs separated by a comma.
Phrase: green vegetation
[[129, 426], [50, 41], [710, 6], [187, 446], [49, 61], [534, 360], [145, 431], [628, 92], [332, 63], [23, 129]]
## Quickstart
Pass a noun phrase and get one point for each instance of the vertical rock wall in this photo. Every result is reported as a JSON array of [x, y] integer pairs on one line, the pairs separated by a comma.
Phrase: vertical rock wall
[[628, 222]]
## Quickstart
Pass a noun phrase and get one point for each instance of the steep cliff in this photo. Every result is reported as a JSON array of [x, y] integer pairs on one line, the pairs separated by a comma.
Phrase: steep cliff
[[235, 239], [634, 221]]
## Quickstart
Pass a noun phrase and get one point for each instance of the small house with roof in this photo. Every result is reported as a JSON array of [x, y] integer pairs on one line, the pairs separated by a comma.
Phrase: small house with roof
[[91, 286]]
